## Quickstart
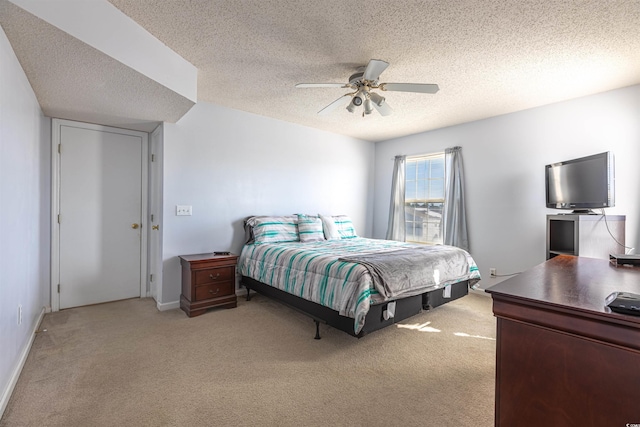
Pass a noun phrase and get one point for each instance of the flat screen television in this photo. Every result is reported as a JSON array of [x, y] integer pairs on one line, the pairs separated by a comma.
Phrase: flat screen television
[[581, 184]]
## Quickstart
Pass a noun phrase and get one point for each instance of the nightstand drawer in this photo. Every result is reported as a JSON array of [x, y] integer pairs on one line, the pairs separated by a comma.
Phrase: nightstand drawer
[[214, 290], [213, 275]]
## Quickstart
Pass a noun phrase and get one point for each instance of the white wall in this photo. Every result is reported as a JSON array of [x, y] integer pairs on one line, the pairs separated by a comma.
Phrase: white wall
[[24, 215], [504, 159], [230, 164]]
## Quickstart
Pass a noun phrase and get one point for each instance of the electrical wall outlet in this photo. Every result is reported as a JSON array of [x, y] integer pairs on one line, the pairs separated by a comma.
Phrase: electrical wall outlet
[[493, 272], [183, 210]]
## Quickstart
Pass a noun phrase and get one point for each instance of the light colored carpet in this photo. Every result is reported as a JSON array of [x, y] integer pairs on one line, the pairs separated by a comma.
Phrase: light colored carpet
[[127, 364]]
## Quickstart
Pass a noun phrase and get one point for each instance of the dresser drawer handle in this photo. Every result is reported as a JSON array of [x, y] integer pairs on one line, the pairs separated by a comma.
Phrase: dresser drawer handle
[[214, 278], [214, 293]]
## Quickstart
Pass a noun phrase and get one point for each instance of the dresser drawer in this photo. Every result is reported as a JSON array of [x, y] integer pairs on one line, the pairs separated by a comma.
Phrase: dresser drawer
[[214, 290], [212, 275]]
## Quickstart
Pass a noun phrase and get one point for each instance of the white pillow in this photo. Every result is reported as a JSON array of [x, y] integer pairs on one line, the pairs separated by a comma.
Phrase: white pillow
[[330, 228]]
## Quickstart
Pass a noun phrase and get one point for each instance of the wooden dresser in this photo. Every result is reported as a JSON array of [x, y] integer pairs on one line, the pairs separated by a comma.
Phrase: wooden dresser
[[208, 280], [562, 357]]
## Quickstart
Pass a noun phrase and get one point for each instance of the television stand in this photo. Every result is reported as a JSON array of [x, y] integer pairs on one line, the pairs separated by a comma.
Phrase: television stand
[[584, 235]]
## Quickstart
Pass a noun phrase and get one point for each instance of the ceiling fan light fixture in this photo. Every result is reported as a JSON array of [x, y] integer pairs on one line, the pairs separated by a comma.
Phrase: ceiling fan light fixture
[[351, 108], [368, 108]]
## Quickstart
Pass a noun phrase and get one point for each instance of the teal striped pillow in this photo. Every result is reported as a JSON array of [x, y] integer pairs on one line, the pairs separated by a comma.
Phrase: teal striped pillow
[[310, 229], [275, 229], [345, 226]]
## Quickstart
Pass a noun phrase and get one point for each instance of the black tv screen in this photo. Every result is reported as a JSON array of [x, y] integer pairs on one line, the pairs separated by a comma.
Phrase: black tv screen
[[581, 184]]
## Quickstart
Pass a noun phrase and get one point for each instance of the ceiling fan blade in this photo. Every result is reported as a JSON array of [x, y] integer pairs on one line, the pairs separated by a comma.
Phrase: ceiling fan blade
[[304, 85], [410, 87], [374, 69], [342, 101], [383, 109]]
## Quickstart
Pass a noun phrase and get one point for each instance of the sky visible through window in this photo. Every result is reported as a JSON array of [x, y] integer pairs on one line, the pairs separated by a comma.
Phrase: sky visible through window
[[424, 198]]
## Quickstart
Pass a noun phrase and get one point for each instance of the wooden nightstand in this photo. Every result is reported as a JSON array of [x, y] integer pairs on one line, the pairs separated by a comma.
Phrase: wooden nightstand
[[208, 281]]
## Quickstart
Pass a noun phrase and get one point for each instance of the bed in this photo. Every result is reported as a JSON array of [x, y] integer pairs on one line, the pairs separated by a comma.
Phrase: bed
[[320, 266]]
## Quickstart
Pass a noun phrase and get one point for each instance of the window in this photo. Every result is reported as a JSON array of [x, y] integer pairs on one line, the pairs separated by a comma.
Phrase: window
[[424, 198]]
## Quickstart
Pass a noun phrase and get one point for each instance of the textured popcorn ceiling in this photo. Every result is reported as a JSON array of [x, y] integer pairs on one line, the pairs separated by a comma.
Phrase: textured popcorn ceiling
[[489, 57], [74, 81]]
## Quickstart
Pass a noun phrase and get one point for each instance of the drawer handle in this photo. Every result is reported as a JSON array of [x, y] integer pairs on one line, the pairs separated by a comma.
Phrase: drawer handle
[[214, 278], [214, 293]]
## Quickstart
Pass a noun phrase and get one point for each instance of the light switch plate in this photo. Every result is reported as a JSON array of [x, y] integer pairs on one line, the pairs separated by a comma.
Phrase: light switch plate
[[182, 210]]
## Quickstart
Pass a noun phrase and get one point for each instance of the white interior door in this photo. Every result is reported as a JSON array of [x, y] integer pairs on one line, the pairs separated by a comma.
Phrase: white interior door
[[101, 200]]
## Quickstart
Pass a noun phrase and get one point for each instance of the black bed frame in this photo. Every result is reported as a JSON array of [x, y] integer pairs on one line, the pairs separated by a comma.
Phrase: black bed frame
[[405, 307]]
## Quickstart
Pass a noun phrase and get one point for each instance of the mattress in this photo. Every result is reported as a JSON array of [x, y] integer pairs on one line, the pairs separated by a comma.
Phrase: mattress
[[314, 271]]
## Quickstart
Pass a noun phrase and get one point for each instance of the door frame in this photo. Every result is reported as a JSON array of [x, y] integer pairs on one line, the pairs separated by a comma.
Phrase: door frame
[[156, 161], [56, 125]]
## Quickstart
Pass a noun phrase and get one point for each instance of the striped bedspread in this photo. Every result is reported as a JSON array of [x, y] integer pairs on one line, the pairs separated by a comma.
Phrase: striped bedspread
[[314, 272]]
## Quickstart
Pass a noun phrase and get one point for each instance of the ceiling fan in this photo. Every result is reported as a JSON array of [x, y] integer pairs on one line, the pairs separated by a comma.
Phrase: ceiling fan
[[363, 83]]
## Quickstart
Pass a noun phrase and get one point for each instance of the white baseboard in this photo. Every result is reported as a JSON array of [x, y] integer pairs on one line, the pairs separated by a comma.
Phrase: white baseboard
[[167, 305], [6, 394]]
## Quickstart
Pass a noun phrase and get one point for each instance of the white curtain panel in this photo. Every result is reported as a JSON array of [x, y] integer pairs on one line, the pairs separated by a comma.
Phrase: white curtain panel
[[455, 220], [396, 229]]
